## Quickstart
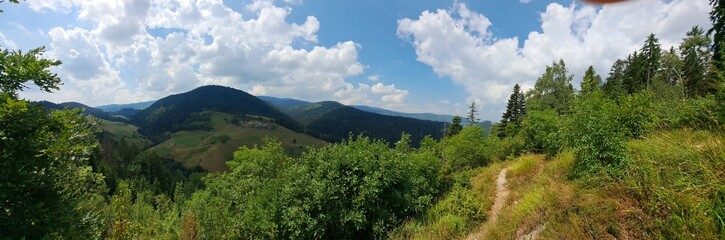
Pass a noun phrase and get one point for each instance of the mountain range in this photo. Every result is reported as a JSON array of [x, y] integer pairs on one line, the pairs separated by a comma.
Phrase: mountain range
[[190, 125]]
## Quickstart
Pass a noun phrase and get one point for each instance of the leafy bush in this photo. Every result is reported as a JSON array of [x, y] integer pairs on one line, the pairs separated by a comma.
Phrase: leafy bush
[[593, 132], [466, 150], [540, 130], [636, 115], [356, 189]]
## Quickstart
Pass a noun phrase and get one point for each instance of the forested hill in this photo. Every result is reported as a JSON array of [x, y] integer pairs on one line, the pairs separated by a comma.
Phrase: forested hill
[[86, 110], [338, 123], [171, 113]]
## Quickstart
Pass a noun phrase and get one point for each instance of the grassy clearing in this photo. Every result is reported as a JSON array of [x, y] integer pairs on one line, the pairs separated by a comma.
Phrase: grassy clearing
[[673, 189], [458, 212], [126, 132], [211, 149]]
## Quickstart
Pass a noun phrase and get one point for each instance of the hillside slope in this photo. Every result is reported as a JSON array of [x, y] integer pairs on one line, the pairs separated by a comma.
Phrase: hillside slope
[[674, 188], [176, 112], [338, 123], [210, 149]]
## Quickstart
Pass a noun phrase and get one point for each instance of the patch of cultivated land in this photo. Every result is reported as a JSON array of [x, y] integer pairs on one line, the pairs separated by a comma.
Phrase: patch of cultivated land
[[123, 131], [211, 149]]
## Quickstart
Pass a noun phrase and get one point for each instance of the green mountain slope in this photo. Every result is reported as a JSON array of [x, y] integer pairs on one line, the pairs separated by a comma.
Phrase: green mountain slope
[[86, 110], [177, 112], [337, 124], [211, 148]]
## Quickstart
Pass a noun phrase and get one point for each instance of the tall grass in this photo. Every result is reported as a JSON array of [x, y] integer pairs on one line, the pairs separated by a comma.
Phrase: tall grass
[[458, 212], [679, 179]]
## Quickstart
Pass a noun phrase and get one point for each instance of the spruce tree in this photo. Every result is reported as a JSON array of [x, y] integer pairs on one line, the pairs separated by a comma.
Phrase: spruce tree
[[591, 81], [515, 110], [472, 114], [651, 53], [696, 60], [455, 127]]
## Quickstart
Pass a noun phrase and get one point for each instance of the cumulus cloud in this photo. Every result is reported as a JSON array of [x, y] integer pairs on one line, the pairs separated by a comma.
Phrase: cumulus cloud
[[6, 43], [374, 78], [458, 44], [148, 49]]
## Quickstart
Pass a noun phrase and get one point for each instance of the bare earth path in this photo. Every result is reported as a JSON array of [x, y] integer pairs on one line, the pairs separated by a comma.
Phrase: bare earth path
[[501, 194]]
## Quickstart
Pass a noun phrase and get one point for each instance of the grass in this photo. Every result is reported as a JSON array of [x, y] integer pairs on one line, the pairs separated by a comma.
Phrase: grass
[[458, 212], [211, 149], [673, 188], [125, 131]]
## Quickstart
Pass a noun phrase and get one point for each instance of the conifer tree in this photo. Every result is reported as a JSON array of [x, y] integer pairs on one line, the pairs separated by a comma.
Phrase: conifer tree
[[696, 60], [591, 81], [472, 114], [455, 127], [515, 111], [651, 53]]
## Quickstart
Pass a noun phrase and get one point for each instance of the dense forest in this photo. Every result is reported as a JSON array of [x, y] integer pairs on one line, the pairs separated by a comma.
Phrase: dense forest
[[60, 178]]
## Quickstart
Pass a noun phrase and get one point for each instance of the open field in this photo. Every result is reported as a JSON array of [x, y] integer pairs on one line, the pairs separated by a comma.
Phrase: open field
[[211, 149]]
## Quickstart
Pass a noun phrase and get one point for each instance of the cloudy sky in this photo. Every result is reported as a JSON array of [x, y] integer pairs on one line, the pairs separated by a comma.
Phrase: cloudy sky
[[407, 55]]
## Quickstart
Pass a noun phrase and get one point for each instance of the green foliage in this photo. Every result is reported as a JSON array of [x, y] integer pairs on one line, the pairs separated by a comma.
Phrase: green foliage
[[593, 131], [636, 116], [591, 81], [541, 132], [356, 189], [466, 150], [17, 69], [553, 90], [46, 186], [455, 127], [515, 112], [614, 87], [696, 60]]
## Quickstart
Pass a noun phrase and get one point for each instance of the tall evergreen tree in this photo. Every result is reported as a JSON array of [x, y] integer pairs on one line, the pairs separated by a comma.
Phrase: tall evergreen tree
[[591, 81], [651, 53], [696, 60], [614, 87], [635, 73], [717, 17], [455, 127], [472, 114], [515, 111], [553, 90]]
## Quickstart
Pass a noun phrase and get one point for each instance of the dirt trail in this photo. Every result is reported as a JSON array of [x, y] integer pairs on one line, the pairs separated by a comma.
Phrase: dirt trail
[[502, 193]]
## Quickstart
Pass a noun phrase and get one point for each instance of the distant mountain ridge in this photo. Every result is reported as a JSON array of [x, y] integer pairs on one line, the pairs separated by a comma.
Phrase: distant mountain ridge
[[86, 110], [286, 103], [118, 107]]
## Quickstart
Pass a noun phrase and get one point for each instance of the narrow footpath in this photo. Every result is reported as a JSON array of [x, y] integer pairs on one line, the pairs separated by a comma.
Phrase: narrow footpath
[[502, 193]]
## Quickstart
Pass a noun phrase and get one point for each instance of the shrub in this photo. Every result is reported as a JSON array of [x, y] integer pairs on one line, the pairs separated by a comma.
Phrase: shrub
[[593, 132], [465, 150], [541, 132]]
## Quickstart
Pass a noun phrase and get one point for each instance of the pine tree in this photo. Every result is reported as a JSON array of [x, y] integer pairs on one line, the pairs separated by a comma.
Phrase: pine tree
[[472, 114], [717, 17], [455, 127], [614, 87], [651, 53], [591, 81], [515, 111], [696, 60]]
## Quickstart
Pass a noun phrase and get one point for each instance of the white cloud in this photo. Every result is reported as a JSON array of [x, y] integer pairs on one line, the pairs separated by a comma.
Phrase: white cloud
[[201, 42], [457, 43], [374, 78], [6, 43]]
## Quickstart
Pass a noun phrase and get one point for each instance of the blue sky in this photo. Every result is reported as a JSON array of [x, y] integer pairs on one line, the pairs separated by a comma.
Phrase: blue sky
[[413, 56]]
